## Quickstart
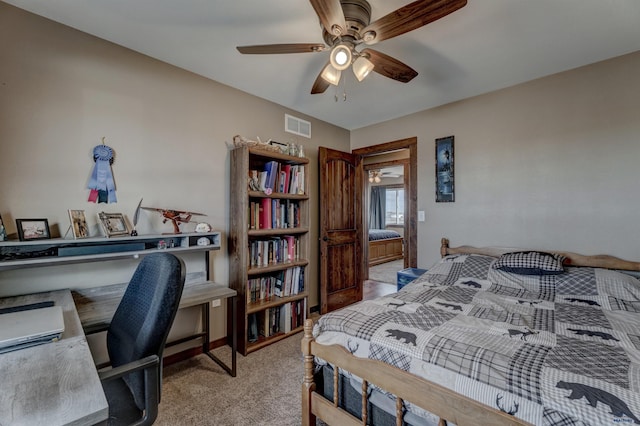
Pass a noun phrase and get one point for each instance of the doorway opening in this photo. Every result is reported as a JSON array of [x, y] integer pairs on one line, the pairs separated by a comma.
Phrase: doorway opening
[[389, 197]]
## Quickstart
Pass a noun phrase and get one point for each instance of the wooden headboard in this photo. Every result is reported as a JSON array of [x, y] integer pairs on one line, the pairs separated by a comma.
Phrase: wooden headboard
[[572, 259]]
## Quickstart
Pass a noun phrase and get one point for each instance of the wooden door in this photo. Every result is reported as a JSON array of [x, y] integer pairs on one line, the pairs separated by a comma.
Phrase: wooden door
[[341, 260]]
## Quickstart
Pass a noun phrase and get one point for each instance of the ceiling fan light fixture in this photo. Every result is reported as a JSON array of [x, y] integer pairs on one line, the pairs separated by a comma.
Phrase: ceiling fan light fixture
[[341, 57], [331, 75], [362, 67], [374, 176]]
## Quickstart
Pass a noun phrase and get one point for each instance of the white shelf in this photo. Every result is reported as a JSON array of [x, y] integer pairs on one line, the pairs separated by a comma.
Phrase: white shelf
[[183, 243]]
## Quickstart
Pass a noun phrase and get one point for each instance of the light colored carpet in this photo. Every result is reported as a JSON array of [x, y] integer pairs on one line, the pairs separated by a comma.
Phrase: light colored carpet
[[386, 272], [266, 390]]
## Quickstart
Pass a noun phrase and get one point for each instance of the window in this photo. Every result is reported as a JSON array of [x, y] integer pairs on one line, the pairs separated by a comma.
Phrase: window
[[394, 214]]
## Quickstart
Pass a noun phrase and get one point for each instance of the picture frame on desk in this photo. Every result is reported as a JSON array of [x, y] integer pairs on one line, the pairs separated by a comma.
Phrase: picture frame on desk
[[79, 227], [33, 229], [3, 230], [113, 224]]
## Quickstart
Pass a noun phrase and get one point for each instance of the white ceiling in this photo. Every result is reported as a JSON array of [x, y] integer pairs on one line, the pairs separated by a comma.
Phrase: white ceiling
[[487, 45]]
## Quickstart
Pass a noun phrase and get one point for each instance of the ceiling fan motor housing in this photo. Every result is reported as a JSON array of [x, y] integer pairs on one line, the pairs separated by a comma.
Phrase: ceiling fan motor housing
[[357, 15]]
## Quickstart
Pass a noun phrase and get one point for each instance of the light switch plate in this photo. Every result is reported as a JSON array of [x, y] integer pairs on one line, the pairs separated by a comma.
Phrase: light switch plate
[[421, 216]]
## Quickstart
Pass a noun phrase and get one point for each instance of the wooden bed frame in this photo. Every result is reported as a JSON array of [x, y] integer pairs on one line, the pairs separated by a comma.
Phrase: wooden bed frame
[[430, 396], [386, 250]]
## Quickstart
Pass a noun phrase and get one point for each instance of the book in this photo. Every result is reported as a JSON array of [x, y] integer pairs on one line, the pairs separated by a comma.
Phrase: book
[[293, 186], [291, 247], [262, 179], [271, 168], [277, 290], [265, 213], [285, 318], [282, 181], [252, 329], [287, 177], [300, 188], [252, 215], [275, 205]]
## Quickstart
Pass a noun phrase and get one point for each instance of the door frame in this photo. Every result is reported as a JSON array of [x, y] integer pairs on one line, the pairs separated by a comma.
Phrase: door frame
[[411, 197]]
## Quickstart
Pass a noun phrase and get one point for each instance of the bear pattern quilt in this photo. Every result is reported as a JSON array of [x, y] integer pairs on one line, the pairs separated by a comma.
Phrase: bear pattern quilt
[[549, 349]]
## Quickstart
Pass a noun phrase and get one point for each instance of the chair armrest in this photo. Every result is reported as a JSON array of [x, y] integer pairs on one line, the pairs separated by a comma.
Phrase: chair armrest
[[96, 328], [151, 367], [120, 371]]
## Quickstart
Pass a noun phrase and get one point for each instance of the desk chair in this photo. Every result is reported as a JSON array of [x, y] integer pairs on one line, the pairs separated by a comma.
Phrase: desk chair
[[136, 339]]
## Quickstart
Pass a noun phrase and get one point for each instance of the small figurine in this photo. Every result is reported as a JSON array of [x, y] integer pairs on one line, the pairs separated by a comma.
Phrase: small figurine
[[203, 227]]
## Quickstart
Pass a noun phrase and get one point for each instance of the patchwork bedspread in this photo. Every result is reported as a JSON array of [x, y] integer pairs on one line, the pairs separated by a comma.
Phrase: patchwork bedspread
[[551, 349]]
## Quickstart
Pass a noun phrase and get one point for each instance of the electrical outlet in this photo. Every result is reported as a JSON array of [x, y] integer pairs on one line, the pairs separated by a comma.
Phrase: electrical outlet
[[215, 303]]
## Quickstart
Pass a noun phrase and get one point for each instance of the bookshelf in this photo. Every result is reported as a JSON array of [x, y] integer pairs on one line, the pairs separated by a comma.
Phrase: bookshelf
[[268, 245]]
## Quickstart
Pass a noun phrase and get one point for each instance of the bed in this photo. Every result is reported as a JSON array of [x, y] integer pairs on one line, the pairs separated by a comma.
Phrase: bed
[[385, 245], [486, 336]]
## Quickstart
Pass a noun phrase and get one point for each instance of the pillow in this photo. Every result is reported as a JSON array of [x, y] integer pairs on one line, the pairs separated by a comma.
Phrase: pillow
[[530, 263]]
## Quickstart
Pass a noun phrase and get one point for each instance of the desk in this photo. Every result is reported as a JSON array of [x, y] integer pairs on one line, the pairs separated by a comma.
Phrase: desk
[[97, 305], [54, 383]]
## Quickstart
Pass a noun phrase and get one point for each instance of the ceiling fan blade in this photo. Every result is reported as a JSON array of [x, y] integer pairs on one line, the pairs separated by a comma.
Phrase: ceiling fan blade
[[408, 18], [281, 48], [320, 85], [331, 15], [390, 67]]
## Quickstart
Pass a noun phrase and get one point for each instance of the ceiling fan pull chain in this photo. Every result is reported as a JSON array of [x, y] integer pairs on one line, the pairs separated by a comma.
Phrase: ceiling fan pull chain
[[335, 96], [344, 89]]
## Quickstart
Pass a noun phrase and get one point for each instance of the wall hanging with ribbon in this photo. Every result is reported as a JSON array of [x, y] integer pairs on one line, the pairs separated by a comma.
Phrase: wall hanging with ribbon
[[101, 183]]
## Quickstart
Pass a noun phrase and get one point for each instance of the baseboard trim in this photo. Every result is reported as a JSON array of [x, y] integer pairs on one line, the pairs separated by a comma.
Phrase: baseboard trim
[[191, 352]]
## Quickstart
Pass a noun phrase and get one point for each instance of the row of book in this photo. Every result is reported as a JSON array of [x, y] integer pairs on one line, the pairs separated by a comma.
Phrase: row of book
[[279, 319], [277, 177], [268, 213], [281, 284], [274, 250]]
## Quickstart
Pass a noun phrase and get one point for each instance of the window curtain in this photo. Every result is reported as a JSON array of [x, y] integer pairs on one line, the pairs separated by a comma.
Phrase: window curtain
[[377, 207]]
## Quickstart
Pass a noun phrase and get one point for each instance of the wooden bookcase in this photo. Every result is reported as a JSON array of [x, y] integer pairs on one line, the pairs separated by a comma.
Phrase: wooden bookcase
[[260, 258]]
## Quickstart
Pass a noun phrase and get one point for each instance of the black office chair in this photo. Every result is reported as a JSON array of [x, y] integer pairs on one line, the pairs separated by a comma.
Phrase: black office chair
[[136, 338]]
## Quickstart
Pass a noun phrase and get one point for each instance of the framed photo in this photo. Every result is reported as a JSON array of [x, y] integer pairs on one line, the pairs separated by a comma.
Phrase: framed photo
[[445, 189], [79, 227], [283, 147], [33, 229], [3, 230], [113, 224]]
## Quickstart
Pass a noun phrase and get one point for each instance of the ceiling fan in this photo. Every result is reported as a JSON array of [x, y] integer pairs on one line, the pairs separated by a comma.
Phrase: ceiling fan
[[377, 175], [346, 26]]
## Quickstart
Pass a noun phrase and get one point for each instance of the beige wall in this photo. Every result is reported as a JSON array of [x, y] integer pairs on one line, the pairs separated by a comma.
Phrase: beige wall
[[553, 163], [62, 90]]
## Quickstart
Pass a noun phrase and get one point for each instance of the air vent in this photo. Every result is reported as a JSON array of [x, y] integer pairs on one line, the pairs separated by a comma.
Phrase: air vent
[[297, 126]]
